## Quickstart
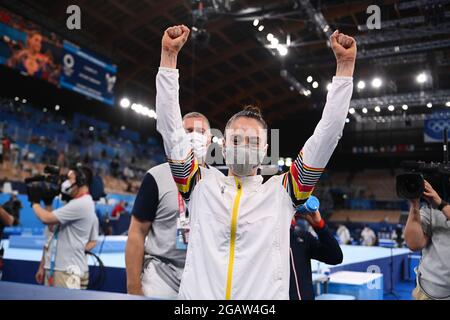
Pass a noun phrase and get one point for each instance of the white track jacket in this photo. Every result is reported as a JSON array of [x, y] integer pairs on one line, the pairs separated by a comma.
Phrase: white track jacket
[[239, 239]]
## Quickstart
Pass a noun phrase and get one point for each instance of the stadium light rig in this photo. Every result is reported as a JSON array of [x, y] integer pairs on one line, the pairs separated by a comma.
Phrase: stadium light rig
[[138, 108]]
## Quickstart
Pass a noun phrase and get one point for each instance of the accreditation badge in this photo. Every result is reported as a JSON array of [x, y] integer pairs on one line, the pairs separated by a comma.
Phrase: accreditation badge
[[182, 233]]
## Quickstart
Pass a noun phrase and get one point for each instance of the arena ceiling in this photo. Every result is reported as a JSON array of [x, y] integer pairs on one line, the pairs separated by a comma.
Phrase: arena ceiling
[[237, 67]]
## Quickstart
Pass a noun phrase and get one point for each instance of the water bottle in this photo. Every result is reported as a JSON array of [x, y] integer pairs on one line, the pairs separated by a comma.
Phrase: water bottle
[[311, 205]]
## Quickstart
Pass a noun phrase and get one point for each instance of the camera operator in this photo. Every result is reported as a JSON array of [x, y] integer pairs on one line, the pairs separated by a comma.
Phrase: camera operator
[[93, 237], [72, 225], [428, 229]]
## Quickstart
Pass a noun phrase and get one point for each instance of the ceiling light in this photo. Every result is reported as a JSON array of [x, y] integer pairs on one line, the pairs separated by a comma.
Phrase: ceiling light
[[125, 103], [361, 85], [421, 77], [376, 83]]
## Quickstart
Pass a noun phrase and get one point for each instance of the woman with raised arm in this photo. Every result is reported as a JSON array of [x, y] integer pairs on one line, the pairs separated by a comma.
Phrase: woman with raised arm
[[239, 239]]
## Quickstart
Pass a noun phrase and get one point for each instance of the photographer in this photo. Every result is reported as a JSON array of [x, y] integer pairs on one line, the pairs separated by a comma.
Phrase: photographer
[[6, 220], [9, 213], [428, 229], [13, 207], [72, 225]]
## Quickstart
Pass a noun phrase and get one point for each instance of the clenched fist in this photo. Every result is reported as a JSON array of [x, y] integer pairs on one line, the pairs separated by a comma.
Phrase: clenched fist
[[174, 38], [344, 47]]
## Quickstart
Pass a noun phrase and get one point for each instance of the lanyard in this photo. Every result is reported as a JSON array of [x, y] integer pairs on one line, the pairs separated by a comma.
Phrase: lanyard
[[181, 207], [53, 245], [182, 226]]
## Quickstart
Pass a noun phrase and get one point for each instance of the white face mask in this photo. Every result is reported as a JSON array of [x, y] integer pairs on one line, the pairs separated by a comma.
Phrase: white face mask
[[65, 187], [199, 145], [243, 160]]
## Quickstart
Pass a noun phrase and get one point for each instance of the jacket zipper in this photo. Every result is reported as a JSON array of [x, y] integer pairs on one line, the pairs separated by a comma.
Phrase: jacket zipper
[[234, 218]]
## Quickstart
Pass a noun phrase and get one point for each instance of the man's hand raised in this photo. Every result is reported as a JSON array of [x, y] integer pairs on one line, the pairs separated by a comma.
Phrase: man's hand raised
[[344, 48], [174, 38]]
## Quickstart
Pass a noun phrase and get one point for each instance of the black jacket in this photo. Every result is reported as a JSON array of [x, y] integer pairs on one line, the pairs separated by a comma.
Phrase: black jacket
[[304, 247]]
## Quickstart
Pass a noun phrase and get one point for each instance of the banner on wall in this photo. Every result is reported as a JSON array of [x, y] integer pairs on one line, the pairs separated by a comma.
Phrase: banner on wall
[[434, 126], [36, 52]]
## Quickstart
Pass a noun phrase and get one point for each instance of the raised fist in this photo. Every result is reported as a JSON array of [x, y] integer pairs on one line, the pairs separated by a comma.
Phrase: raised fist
[[174, 38], [344, 47]]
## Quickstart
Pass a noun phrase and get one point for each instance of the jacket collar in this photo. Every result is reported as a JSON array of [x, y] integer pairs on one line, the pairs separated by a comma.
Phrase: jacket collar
[[250, 181]]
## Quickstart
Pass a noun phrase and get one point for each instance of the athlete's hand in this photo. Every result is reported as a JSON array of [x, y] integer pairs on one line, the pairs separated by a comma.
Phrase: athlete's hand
[[344, 47], [174, 38]]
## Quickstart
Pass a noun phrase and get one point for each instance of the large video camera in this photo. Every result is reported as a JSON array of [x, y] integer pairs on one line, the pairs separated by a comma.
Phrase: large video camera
[[48, 185], [411, 185]]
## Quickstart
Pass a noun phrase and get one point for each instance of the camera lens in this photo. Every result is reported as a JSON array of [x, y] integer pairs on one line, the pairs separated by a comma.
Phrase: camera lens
[[410, 185]]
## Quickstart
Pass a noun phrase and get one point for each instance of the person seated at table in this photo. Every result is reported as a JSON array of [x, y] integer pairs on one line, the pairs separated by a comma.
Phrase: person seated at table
[[368, 237], [304, 247], [344, 234]]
